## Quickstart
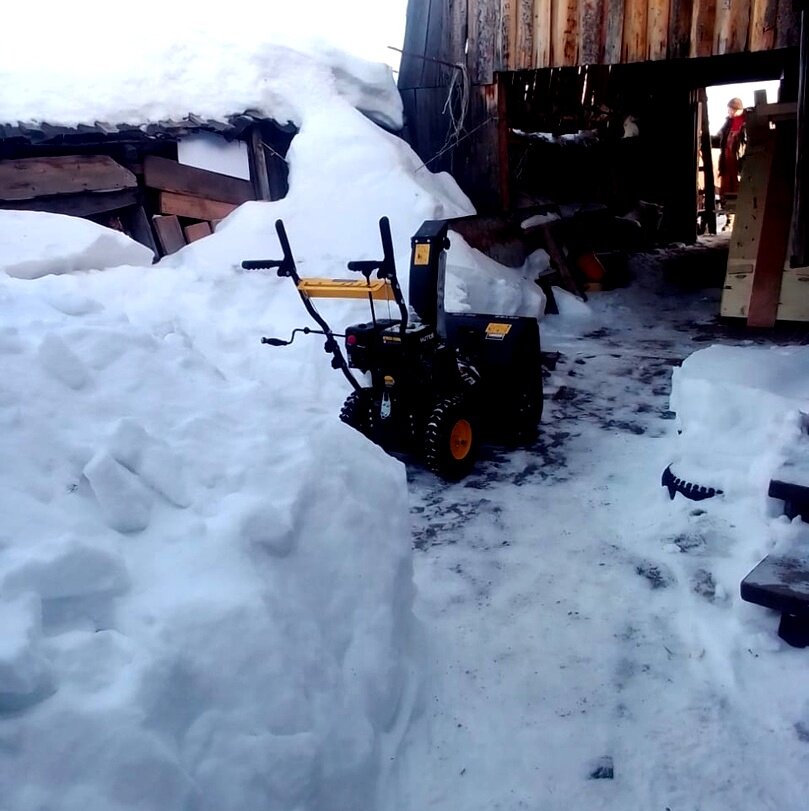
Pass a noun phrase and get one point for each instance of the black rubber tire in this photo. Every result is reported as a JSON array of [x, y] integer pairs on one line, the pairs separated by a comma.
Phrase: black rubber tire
[[446, 418], [358, 411]]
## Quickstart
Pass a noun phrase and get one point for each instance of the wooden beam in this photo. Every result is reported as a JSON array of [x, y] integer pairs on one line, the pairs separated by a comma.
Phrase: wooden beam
[[170, 176], [28, 178], [169, 234], [185, 206], [502, 143], [772, 246], [706, 153], [258, 166], [76, 205], [799, 240], [197, 231]]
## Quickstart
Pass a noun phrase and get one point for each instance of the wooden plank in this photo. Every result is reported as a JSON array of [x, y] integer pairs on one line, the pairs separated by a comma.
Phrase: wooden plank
[[591, 20], [703, 18], [28, 178], [502, 143], [524, 41], [415, 43], [788, 25], [680, 28], [77, 205], [170, 176], [657, 29], [482, 35], [706, 152], [565, 43], [258, 167], [455, 35], [195, 207], [434, 74], [169, 234], [635, 30], [772, 247], [198, 230], [799, 238], [506, 46], [731, 26], [721, 27], [763, 20], [746, 234], [613, 31], [543, 38]]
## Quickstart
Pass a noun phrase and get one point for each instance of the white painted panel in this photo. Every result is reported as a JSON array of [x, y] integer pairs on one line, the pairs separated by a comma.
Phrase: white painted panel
[[209, 151]]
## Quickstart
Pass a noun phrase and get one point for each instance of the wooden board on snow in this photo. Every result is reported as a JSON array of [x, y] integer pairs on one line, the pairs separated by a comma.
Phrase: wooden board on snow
[[30, 178]]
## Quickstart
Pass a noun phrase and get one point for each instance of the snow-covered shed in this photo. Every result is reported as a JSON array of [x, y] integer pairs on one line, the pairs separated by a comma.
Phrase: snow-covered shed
[[120, 146], [164, 183]]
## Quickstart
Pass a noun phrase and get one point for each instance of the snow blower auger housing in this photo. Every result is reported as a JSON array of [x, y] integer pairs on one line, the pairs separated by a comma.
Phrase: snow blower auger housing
[[440, 383]]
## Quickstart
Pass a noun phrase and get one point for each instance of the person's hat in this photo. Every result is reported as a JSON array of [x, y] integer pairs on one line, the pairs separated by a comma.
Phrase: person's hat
[[736, 104]]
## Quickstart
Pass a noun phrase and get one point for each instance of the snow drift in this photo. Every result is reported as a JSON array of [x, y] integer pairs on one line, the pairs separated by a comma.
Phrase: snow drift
[[36, 243], [205, 578]]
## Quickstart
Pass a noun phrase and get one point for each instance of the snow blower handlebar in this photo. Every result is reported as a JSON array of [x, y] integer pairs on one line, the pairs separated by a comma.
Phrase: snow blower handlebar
[[286, 267], [385, 269]]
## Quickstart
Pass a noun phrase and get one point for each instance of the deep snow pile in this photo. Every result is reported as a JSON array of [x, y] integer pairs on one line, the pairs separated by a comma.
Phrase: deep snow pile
[[205, 582]]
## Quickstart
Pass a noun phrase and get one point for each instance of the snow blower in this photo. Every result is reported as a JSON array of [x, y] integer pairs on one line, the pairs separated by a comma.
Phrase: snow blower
[[440, 383]]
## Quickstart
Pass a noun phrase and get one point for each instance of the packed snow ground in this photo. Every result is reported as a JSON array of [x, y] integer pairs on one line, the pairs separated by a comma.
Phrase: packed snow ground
[[579, 620]]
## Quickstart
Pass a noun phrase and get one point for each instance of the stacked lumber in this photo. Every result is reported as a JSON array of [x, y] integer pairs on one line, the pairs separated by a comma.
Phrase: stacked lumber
[[190, 200], [80, 185]]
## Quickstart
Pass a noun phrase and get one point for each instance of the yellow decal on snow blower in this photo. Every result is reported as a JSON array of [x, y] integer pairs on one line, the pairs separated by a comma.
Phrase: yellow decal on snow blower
[[496, 331], [421, 254]]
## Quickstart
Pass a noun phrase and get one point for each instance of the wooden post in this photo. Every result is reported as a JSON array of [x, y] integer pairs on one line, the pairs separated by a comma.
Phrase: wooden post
[[799, 243], [258, 165], [772, 246], [707, 165], [502, 143]]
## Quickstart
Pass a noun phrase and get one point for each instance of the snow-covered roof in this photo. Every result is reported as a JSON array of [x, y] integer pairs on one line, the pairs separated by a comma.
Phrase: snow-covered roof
[[202, 79]]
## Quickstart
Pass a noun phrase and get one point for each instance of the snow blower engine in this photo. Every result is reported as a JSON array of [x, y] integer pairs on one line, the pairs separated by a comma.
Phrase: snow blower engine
[[440, 383]]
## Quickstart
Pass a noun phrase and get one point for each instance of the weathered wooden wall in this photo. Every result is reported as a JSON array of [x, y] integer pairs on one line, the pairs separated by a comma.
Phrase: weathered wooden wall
[[488, 36]]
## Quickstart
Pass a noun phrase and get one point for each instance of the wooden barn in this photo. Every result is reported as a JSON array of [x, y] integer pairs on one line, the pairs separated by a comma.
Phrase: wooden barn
[[165, 183], [527, 101]]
